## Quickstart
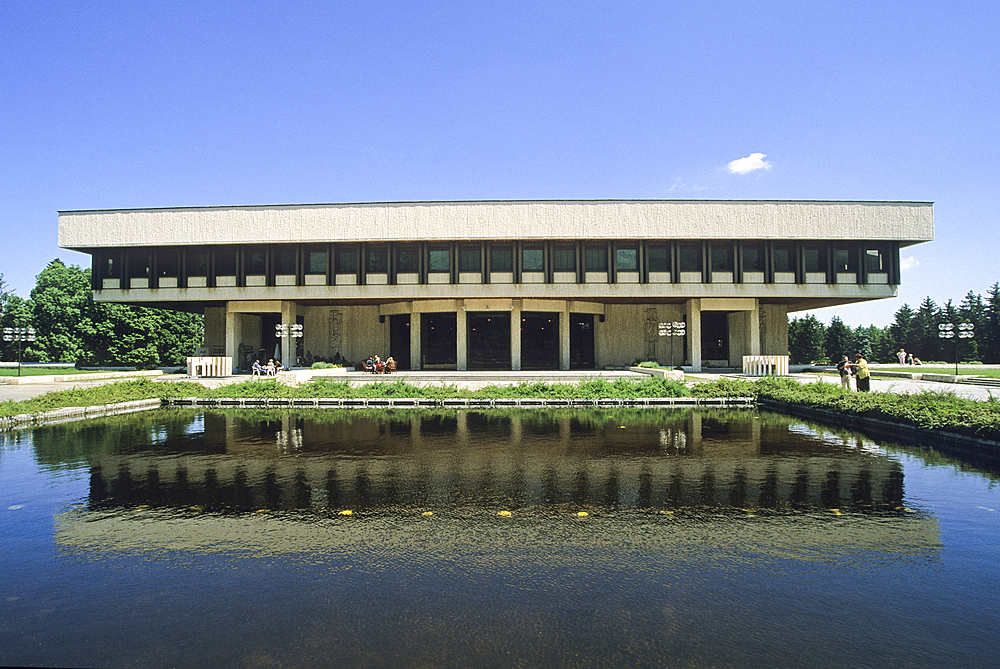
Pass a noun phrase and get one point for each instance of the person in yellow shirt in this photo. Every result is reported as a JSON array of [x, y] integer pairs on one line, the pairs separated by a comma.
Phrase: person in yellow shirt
[[861, 370]]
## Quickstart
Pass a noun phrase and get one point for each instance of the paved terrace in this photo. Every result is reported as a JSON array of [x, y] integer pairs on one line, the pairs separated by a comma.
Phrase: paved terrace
[[478, 379]]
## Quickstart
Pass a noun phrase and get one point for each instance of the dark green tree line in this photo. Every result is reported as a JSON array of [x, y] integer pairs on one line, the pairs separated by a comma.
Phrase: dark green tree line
[[71, 327], [915, 331]]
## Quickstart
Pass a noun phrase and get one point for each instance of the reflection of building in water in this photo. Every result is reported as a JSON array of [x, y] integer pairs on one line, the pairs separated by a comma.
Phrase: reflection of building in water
[[472, 459]]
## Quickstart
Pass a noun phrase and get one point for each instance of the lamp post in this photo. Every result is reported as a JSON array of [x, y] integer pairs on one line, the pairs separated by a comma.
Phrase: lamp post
[[964, 331], [283, 330], [19, 335], [673, 329]]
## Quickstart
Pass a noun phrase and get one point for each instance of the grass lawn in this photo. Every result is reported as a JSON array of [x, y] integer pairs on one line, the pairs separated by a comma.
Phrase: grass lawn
[[967, 370], [43, 371]]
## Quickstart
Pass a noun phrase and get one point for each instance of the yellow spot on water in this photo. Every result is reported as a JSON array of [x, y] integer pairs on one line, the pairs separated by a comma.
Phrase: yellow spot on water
[[836, 512], [345, 512], [143, 506], [261, 511], [504, 513], [621, 427], [582, 514], [427, 513]]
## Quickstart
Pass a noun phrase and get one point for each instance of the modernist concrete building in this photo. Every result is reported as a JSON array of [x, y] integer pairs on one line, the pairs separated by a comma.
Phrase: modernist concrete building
[[501, 285]]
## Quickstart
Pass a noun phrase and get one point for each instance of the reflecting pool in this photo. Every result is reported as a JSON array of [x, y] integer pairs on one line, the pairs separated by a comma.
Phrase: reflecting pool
[[571, 537]]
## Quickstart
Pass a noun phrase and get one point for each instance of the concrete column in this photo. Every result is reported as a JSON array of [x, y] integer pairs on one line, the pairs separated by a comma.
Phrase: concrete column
[[564, 338], [693, 308], [415, 361], [515, 335], [288, 312], [753, 327], [234, 333], [461, 339]]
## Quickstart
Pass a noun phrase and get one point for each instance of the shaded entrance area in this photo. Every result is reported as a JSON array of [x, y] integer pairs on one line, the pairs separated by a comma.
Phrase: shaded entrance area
[[539, 340], [715, 335], [581, 341], [268, 341], [438, 341], [488, 340], [399, 340]]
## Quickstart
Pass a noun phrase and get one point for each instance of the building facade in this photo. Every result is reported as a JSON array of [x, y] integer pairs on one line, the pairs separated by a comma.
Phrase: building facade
[[501, 285]]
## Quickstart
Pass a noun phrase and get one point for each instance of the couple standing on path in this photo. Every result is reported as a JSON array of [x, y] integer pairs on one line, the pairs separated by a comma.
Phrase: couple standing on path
[[858, 368]]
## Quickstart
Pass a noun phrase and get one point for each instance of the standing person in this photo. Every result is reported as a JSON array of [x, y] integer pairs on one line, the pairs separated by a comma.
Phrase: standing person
[[844, 367], [864, 376], [902, 356]]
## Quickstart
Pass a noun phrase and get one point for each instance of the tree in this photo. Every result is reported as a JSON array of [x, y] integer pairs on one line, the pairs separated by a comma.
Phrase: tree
[[14, 312], [839, 340], [73, 328], [973, 310], [806, 340], [990, 338], [901, 333], [62, 308], [926, 343], [862, 343]]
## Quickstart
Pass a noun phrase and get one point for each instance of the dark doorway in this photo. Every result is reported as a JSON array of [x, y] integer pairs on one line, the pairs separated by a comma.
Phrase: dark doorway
[[539, 340], [399, 340], [581, 341], [438, 341], [268, 340], [714, 335], [488, 340]]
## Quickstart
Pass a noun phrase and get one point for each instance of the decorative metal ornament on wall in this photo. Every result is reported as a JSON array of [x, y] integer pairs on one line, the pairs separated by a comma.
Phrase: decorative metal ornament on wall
[[336, 331], [652, 319]]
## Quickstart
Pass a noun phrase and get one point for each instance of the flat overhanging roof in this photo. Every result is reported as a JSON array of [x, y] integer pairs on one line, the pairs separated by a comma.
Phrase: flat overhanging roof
[[903, 222]]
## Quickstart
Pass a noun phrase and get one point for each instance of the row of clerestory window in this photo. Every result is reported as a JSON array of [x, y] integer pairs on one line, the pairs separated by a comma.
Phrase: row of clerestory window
[[653, 261]]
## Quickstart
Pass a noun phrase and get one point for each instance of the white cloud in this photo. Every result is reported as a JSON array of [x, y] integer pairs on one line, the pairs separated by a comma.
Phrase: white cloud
[[908, 262], [755, 161]]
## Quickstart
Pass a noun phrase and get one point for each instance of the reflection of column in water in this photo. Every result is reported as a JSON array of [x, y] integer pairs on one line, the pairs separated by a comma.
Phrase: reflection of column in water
[[800, 490], [581, 487], [769, 490], [755, 434], [550, 487], [272, 490], [693, 444], [565, 432], [462, 429], [333, 495], [830, 497], [645, 497], [242, 492], [861, 491], [302, 492], [738, 488], [612, 489], [706, 487]]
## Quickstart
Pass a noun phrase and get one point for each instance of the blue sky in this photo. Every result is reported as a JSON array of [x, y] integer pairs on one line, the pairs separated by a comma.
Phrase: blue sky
[[107, 105]]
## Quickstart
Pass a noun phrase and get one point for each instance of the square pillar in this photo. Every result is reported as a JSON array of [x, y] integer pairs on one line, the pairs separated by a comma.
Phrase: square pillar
[[693, 308], [461, 340], [415, 340], [515, 335], [288, 313], [234, 333], [564, 338], [753, 325]]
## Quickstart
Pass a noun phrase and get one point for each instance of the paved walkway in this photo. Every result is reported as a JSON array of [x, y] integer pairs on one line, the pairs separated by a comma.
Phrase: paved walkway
[[475, 380]]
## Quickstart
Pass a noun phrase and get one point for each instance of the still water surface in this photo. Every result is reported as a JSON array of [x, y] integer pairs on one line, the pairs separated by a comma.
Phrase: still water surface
[[739, 538]]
